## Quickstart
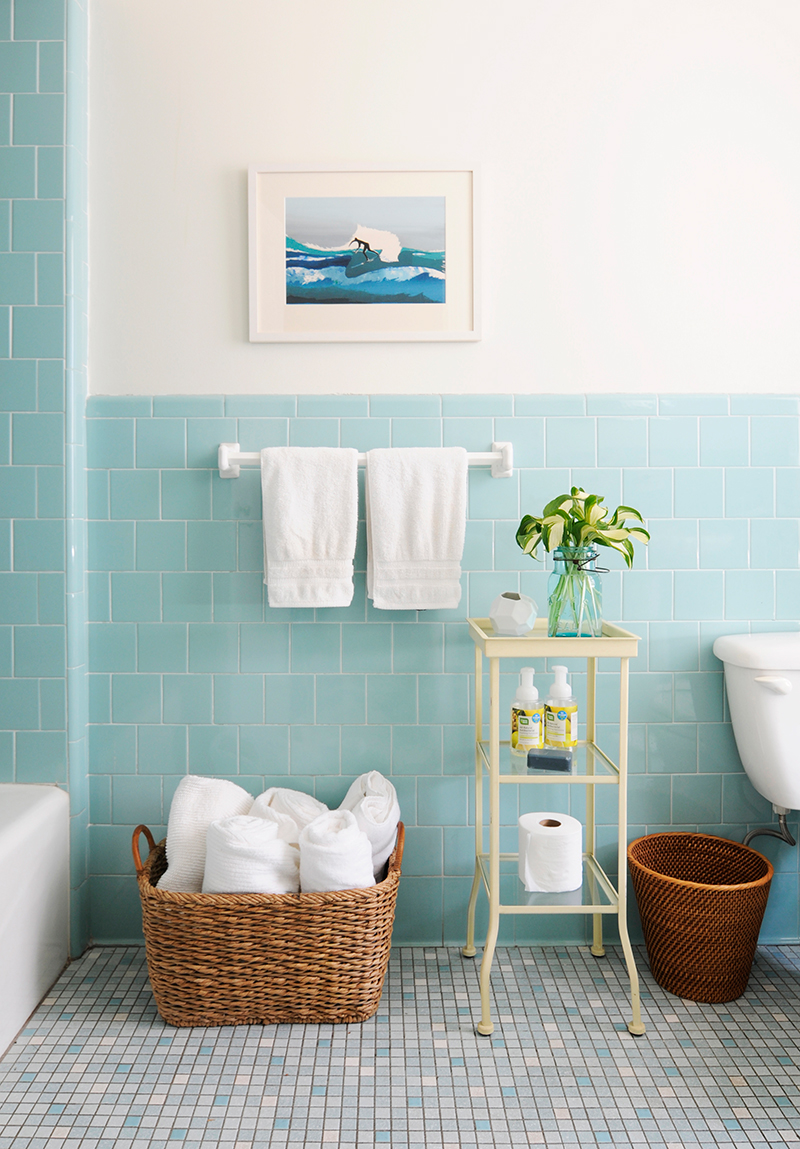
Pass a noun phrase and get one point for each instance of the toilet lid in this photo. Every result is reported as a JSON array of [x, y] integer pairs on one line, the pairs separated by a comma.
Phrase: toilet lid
[[776, 651]]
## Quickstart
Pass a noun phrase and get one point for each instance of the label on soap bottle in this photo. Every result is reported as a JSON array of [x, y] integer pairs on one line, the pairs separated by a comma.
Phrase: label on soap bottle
[[527, 729], [561, 724]]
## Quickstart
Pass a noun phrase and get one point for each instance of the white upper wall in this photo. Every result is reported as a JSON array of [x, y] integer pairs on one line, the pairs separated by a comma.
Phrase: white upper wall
[[640, 166]]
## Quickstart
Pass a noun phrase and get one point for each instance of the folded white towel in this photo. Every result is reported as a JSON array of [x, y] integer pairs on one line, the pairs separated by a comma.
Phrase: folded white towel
[[245, 856], [310, 513], [334, 854], [287, 828], [416, 518], [197, 803], [373, 801], [292, 805]]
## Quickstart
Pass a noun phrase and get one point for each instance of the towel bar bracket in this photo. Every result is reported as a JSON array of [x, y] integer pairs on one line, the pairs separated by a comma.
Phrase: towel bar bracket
[[500, 459]]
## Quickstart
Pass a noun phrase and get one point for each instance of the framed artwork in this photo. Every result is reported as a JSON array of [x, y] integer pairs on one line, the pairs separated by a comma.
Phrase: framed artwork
[[369, 254]]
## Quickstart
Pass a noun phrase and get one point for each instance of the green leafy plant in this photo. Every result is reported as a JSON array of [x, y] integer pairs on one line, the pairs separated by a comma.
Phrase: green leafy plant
[[581, 520]]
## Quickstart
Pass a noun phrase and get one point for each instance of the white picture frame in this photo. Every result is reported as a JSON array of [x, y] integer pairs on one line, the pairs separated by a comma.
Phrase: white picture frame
[[287, 301]]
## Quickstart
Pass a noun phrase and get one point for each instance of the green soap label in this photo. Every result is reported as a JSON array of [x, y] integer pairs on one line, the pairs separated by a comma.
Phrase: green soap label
[[561, 725]]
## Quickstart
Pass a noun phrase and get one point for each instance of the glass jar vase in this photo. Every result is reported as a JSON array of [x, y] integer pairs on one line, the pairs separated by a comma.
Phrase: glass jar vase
[[575, 604]]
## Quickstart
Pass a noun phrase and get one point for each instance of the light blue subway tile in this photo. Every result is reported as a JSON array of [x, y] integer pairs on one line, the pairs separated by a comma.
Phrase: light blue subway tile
[[134, 495], [237, 498], [52, 703], [473, 406], [341, 698], [651, 697], [18, 598], [764, 405], [38, 119], [213, 750], [366, 647], [18, 492], [264, 749], [18, 384], [336, 406], [213, 647], [787, 594], [570, 442], [314, 432], [539, 487], [50, 173], [118, 407], [37, 225], [459, 650], [417, 750], [405, 406], [38, 438], [161, 750], [696, 799], [161, 647], [19, 704], [51, 67], [416, 432], [187, 597], [17, 173], [672, 748], [238, 698], [444, 698], [211, 546], [549, 405], [112, 749], [188, 406], [781, 915], [100, 799], [289, 698], [418, 647], [621, 442], [203, 437], [709, 633], [109, 442], [649, 491], [646, 595], [749, 492], [255, 434], [261, 406], [41, 756], [51, 390], [698, 492], [698, 594], [50, 492], [716, 750], [425, 848], [458, 748], [365, 434], [604, 481], [724, 543], [621, 404], [136, 698], [18, 279], [673, 545], [527, 436], [41, 21], [698, 697], [471, 434], [366, 748], [774, 543], [649, 799], [787, 492], [316, 647], [5, 544], [484, 589], [774, 442], [49, 280], [39, 545], [186, 494], [160, 546], [187, 698], [161, 443], [673, 442], [391, 699], [264, 648], [238, 597], [39, 651], [38, 332], [314, 750], [135, 799], [442, 802], [6, 650], [749, 594], [478, 545], [724, 442], [135, 597], [50, 596], [741, 803], [693, 405], [492, 498], [5, 430]]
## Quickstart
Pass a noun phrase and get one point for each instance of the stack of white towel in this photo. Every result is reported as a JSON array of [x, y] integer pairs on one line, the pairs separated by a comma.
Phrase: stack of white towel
[[221, 841]]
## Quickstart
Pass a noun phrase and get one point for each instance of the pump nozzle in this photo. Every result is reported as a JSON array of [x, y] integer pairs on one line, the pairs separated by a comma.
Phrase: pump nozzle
[[560, 687]]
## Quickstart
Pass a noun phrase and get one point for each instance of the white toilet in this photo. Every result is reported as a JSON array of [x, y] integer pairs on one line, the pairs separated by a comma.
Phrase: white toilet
[[762, 677]]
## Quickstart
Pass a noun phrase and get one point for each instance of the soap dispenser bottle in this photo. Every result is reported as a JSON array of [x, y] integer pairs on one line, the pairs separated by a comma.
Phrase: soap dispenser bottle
[[561, 712], [527, 716]]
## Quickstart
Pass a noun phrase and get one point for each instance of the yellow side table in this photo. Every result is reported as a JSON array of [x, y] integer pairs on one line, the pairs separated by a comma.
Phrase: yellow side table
[[591, 768]]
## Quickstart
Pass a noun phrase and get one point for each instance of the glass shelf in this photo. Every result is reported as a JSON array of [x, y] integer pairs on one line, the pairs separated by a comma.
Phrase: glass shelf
[[589, 765], [596, 895]]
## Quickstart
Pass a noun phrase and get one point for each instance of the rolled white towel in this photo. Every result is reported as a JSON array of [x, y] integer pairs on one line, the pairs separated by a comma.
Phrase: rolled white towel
[[334, 854], [245, 855], [373, 800], [288, 829], [197, 803], [300, 807]]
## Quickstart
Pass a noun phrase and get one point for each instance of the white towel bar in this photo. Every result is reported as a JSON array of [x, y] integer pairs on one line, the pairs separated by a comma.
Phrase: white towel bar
[[500, 459]]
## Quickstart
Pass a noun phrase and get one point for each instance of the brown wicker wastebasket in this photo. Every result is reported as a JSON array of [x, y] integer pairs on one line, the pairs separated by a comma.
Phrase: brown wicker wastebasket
[[701, 901], [262, 959]]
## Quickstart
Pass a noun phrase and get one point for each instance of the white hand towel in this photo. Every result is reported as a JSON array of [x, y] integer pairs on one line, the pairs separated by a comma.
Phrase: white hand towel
[[334, 854], [287, 828], [197, 803], [294, 804], [310, 513], [373, 801], [416, 518], [245, 856]]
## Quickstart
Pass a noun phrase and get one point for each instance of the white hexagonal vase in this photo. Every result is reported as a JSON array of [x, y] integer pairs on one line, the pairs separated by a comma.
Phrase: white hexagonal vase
[[513, 614]]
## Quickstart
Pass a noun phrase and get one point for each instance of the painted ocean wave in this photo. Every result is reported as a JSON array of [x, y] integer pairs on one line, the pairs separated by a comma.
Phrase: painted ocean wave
[[340, 275]]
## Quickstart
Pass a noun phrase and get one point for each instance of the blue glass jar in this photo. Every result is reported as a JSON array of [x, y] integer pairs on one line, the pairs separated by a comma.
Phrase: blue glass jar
[[575, 603]]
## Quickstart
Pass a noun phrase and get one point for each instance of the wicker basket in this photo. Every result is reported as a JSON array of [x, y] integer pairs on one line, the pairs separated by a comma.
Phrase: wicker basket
[[701, 901], [262, 959]]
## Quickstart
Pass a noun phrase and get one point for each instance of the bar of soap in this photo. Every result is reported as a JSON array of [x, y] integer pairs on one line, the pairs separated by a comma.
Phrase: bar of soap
[[550, 759]]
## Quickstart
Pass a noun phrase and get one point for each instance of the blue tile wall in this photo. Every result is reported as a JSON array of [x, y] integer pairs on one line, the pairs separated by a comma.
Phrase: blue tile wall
[[192, 671]]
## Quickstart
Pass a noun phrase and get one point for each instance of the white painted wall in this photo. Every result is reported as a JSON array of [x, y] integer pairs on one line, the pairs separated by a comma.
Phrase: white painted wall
[[641, 183]]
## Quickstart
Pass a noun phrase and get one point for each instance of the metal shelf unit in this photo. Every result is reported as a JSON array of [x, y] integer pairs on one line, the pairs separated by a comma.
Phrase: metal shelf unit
[[592, 768]]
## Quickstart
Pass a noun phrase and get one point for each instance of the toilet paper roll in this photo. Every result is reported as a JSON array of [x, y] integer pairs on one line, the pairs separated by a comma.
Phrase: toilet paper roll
[[550, 852]]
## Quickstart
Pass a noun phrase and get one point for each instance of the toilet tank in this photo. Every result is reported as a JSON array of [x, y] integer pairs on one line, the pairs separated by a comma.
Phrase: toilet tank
[[762, 678]]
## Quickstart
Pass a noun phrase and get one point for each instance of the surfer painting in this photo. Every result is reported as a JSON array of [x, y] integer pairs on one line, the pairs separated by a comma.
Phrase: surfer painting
[[399, 254]]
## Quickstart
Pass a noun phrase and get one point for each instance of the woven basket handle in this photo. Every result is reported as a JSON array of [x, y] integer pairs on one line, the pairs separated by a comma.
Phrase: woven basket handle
[[401, 841], [151, 842]]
